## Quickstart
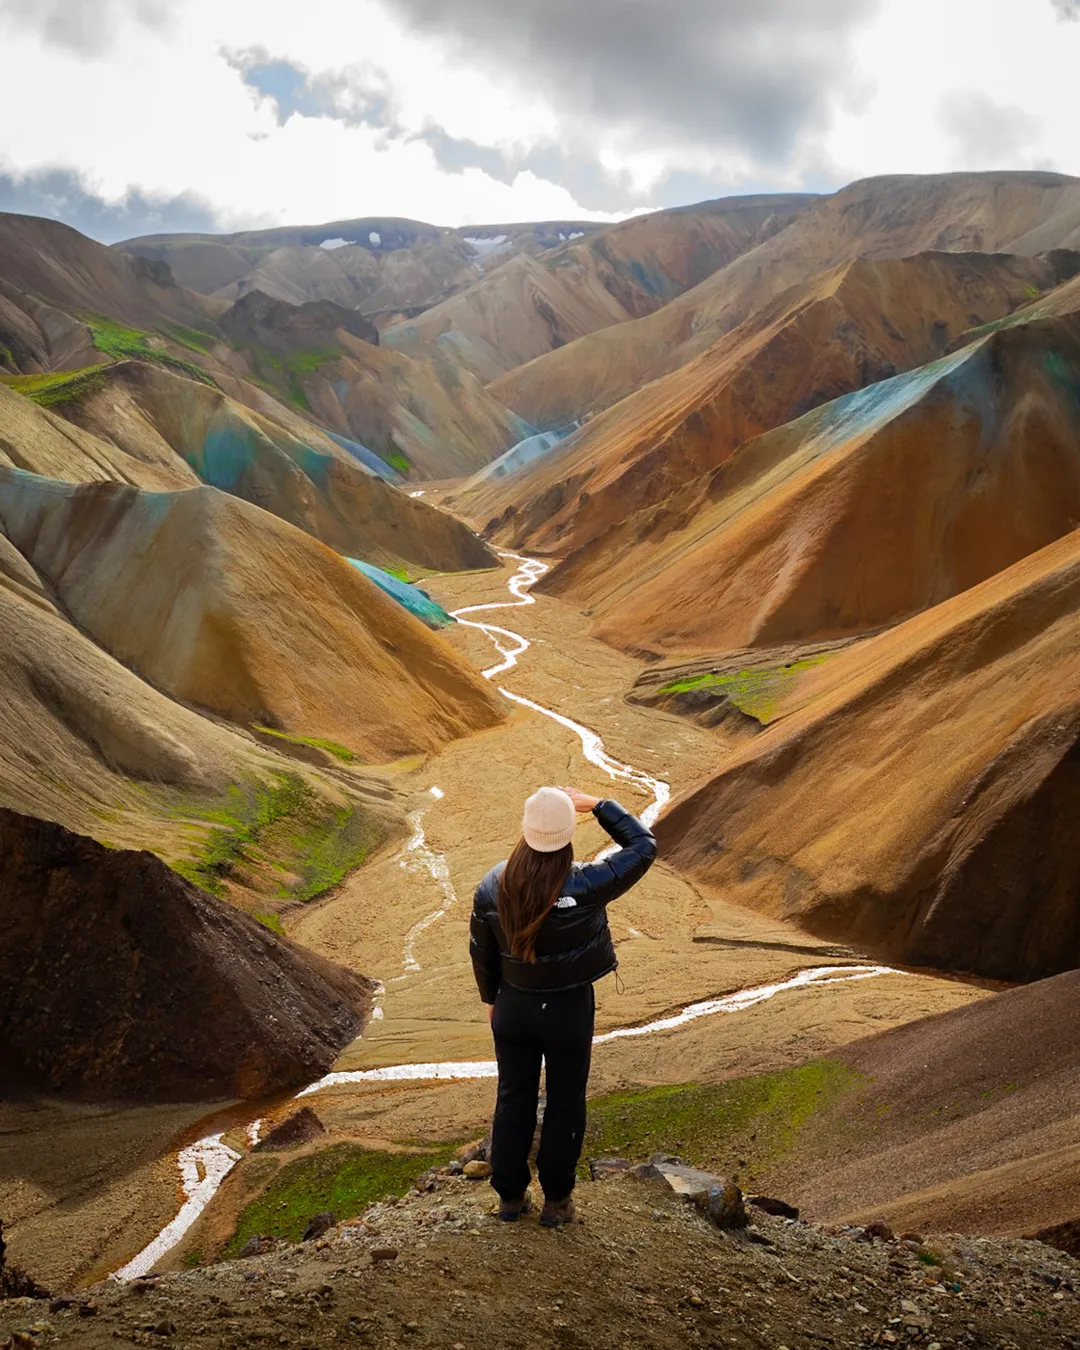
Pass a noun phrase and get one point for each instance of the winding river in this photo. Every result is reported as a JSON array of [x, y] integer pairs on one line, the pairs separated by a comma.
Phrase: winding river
[[205, 1164]]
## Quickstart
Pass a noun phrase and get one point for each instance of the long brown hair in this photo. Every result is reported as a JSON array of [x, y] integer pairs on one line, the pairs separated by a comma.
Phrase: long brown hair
[[529, 887]]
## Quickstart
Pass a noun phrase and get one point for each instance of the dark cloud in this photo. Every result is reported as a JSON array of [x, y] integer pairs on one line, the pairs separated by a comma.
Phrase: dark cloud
[[62, 195], [987, 134], [1067, 9], [86, 27], [746, 74]]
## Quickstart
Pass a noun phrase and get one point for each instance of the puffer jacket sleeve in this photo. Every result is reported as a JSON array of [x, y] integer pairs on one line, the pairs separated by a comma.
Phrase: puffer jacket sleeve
[[484, 949], [612, 877]]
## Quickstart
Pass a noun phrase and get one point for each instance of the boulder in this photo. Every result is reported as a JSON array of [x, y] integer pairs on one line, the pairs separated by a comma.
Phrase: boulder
[[780, 1208], [599, 1168], [477, 1170], [723, 1203], [318, 1224]]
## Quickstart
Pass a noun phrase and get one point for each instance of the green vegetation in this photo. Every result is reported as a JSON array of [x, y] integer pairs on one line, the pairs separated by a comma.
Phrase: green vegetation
[[400, 573], [341, 752], [398, 460], [123, 344], [271, 921], [287, 373], [1032, 292], [755, 1118], [754, 692], [343, 1179], [193, 338], [285, 828], [7, 357], [58, 389]]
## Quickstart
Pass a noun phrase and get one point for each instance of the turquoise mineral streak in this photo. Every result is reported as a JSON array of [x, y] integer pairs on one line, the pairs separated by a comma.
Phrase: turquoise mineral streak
[[410, 597]]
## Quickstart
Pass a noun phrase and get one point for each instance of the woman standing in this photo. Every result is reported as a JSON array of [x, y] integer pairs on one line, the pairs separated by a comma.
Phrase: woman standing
[[539, 940]]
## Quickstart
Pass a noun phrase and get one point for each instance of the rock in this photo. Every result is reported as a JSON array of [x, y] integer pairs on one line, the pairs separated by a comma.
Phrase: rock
[[609, 1167], [690, 1182], [318, 1224], [301, 1127], [476, 1170], [646, 1172], [912, 1237], [164, 1327], [780, 1208], [384, 1253], [880, 1231], [258, 1246], [455, 1168], [724, 1205]]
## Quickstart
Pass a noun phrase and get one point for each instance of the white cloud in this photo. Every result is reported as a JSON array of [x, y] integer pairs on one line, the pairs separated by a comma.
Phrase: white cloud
[[140, 102]]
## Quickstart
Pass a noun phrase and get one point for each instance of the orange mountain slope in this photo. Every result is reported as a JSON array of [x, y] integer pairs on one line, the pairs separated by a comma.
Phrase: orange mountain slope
[[226, 607], [850, 326], [857, 515], [916, 794], [1025, 213], [529, 306]]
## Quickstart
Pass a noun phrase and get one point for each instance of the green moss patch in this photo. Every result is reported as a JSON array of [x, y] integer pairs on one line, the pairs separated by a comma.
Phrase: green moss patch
[[754, 1119], [270, 920], [58, 389], [284, 833], [195, 339], [341, 752], [343, 1180], [754, 692], [121, 343]]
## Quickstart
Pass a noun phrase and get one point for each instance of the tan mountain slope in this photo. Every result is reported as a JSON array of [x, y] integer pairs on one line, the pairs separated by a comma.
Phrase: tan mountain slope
[[68, 304], [915, 795], [175, 432], [227, 607], [377, 262], [857, 515], [85, 742], [1025, 213], [145, 987], [530, 306], [848, 327]]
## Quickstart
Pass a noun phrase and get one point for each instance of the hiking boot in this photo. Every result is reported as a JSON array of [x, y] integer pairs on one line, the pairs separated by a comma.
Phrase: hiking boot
[[558, 1212], [512, 1210]]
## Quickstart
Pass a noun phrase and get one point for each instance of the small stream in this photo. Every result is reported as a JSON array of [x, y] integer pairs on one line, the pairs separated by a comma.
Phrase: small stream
[[205, 1164]]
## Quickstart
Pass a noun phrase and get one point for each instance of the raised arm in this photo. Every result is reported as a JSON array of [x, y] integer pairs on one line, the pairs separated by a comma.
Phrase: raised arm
[[615, 874]]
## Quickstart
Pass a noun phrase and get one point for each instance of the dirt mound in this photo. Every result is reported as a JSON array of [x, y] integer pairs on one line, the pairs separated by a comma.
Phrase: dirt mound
[[180, 432], [891, 217], [851, 326], [226, 607], [528, 306], [857, 515], [950, 746], [121, 979], [439, 1269]]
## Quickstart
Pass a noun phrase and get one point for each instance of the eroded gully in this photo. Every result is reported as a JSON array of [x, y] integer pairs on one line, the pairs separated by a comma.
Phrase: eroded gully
[[205, 1164]]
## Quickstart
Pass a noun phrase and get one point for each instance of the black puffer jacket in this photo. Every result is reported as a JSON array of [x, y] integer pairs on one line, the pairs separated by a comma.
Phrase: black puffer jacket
[[574, 945]]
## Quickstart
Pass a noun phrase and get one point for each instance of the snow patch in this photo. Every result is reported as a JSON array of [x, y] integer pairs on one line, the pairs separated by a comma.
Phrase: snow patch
[[486, 246], [334, 243], [375, 237]]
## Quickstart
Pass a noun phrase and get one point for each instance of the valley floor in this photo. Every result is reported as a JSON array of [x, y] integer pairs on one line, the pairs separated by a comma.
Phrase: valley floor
[[82, 1216]]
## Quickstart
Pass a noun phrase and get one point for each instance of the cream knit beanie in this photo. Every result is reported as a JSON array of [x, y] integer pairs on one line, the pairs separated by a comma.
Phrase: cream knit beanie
[[549, 820]]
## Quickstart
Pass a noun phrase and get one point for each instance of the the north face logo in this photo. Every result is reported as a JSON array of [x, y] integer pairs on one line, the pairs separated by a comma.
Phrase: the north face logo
[[566, 902]]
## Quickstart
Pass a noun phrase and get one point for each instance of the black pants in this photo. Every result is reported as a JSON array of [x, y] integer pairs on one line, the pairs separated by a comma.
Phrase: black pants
[[557, 1028]]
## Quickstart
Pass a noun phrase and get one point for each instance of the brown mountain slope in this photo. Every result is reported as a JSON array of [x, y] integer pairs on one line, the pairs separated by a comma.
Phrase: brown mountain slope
[[857, 515], [964, 1122], [1025, 213], [175, 432], [85, 742], [144, 986], [229, 608], [67, 303], [846, 328], [530, 306], [949, 751]]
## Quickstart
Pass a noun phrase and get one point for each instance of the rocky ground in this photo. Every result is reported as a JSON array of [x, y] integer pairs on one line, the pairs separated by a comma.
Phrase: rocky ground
[[642, 1267]]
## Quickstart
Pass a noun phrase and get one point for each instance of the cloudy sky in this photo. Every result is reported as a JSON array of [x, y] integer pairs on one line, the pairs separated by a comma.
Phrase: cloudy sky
[[130, 116]]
